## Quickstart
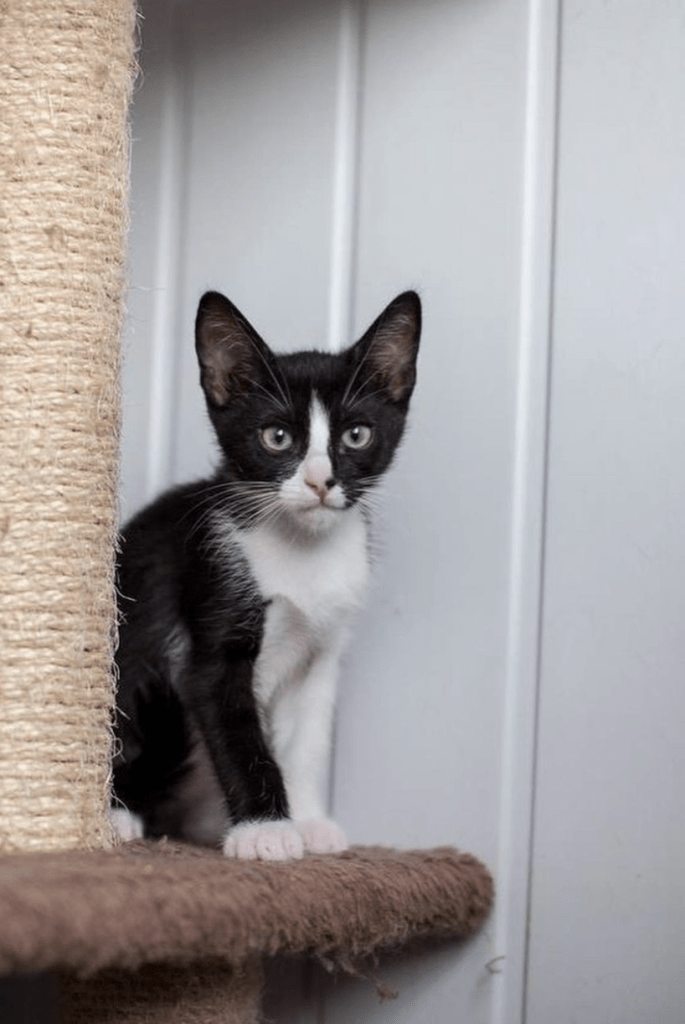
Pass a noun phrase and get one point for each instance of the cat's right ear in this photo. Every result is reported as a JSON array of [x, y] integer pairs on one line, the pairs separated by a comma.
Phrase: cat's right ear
[[386, 354], [231, 354]]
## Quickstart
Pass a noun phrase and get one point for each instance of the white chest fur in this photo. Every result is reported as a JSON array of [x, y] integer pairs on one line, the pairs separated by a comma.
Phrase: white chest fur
[[323, 576], [313, 583]]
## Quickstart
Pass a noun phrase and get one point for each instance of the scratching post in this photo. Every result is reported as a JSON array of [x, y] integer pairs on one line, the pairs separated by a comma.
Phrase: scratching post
[[65, 83], [142, 932]]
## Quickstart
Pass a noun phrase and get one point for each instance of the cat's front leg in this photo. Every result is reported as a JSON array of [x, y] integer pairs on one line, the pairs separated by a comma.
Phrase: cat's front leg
[[248, 775], [301, 725], [321, 835], [264, 840]]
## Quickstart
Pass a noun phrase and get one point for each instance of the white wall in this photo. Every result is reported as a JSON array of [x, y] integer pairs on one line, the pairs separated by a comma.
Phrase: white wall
[[513, 688], [608, 885]]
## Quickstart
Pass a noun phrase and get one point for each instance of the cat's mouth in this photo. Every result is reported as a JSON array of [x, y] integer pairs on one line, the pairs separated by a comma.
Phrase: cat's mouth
[[325, 508], [319, 519], [305, 498], [319, 513], [313, 499]]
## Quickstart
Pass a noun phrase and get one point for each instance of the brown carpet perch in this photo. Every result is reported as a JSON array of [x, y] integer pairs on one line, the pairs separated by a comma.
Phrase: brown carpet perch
[[146, 902], [164, 917]]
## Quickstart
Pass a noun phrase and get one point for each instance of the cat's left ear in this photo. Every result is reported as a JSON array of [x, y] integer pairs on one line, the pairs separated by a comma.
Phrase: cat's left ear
[[388, 350]]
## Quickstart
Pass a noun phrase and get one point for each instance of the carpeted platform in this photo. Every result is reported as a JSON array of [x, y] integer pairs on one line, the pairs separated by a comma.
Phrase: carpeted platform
[[141, 931]]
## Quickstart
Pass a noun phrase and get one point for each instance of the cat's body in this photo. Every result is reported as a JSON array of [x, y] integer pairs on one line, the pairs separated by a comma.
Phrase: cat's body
[[237, 592]]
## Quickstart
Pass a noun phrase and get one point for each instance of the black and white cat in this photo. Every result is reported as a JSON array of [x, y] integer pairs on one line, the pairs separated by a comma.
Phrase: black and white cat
[[236, 593]]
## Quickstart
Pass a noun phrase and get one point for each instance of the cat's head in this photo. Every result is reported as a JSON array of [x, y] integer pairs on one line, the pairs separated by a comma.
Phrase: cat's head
[[306, 435]]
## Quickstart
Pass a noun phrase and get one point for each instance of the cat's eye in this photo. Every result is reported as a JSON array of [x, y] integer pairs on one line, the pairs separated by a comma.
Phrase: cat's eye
[[357, 437], [276, 439]]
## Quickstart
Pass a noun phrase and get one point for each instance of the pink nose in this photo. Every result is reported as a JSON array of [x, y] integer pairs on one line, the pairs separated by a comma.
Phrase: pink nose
[[320, 489], [318, 476]]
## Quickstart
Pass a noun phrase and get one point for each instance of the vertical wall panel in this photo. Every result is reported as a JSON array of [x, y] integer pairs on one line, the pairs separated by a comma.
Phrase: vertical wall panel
[[156, 199], [607, 924]]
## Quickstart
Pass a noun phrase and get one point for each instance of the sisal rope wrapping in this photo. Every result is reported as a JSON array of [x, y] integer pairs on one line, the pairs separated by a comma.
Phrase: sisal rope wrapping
[[66, 71]]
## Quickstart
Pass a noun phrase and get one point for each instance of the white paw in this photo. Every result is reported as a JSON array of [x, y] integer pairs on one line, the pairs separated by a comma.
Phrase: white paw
[[126, 825], [321, 835], [264, 840]]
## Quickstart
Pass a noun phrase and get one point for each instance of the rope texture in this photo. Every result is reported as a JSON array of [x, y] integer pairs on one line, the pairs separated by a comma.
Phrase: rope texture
[[66, 72]]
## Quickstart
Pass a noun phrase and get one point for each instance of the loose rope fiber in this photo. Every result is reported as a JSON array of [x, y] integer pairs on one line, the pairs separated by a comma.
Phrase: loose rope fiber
[[66, 71]]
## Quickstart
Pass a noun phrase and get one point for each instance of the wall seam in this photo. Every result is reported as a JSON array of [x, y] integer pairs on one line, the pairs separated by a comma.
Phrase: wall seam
[[529, 488], [345, 176], [545, 494]]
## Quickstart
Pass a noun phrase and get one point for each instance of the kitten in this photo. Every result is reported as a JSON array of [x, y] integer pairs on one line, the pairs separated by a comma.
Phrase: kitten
[[237, 592]]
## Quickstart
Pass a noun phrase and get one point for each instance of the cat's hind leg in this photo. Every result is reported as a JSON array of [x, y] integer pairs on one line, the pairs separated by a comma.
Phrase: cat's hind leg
[[127, 826]]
